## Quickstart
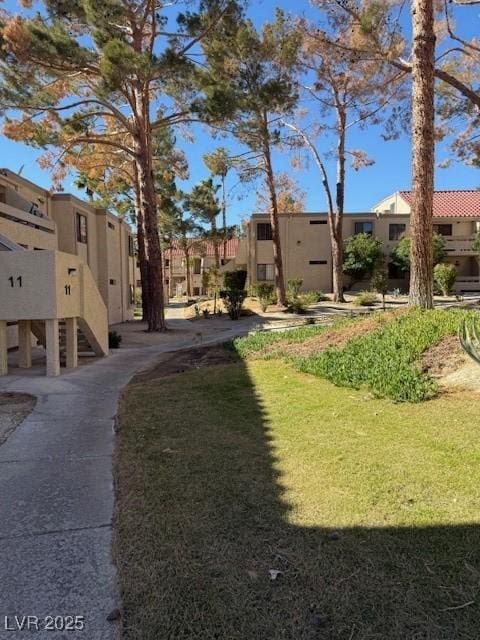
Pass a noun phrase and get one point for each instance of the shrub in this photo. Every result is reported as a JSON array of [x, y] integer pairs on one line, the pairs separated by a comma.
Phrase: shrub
[[365, 299], [233, 300], [296, 305], [293, 287], [445, 276], [235, 280], [114, 339], [266, 294], [311, 297]]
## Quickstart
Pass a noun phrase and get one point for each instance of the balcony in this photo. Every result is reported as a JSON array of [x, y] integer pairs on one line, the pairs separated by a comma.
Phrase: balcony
[[461, 245], [23, 217]]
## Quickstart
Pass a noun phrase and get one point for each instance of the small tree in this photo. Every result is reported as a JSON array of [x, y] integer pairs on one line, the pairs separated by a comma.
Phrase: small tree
[[379, 283], [362, 255], [445, 275], [401, 253], [234, 293], [266, 294], [212, 283]]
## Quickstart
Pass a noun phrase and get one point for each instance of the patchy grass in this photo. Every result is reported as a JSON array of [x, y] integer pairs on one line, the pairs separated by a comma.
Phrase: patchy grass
[[385, 360], [382, 352], [369, 510]]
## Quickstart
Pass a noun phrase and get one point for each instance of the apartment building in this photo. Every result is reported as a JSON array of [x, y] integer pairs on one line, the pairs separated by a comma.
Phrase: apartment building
[[306, 248], [201, 256], [61, 261], [35, 219]]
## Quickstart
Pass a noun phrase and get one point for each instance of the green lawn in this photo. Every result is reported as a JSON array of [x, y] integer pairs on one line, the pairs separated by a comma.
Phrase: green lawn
[[370, 510]]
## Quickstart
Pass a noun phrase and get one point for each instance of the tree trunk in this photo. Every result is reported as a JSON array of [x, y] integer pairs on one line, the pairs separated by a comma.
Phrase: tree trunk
[[277, 247], [216, 249], [224, 219], [170, 273], [423, 145], [187, 272], [142, 249], [155, 301], [143, 263], [336, 227]]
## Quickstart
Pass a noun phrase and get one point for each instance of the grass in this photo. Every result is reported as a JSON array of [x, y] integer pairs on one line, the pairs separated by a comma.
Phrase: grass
[[384, 359], [257, 343], [369, 509]]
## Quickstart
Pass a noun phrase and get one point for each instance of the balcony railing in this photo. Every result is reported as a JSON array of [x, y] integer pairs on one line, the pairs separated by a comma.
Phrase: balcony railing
[[23, 217], [460, 244]]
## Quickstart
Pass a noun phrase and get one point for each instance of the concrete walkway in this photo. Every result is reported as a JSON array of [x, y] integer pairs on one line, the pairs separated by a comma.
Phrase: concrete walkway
[[56, 493]]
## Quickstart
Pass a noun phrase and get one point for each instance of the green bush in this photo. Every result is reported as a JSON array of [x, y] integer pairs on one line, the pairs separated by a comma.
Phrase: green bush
[[385, 360], [233, 300], [365, 299], [266, 294], [293, 287], [235, 279], [296, 305], [311, 297], [114, 339], [445, 276]]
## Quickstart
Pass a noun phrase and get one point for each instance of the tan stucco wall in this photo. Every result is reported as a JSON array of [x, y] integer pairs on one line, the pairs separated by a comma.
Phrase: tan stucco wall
[[106, 252]]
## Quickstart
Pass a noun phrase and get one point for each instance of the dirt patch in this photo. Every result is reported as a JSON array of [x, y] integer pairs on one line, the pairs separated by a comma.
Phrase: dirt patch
[[443, 358], [335, 337], [14, 408], [186, 360]]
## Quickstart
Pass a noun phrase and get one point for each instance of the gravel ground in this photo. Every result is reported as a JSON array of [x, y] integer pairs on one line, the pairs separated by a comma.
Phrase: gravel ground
[[14, 408]]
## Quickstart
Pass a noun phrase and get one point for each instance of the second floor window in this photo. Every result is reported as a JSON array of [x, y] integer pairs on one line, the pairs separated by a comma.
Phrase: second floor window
[[396, 231], [197, 266], [364, 227], [82, 228], [264, 231], [443, 229]]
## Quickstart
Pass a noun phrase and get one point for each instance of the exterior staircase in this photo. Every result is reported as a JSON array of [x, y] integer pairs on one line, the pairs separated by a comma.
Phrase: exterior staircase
[[54, 296]]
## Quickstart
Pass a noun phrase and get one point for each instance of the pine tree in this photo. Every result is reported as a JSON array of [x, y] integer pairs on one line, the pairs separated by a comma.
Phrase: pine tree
[[84, 73], [250, 84]]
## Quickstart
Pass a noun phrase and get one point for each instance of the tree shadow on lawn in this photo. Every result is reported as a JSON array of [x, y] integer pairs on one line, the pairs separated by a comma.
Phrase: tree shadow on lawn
[[202, 520]]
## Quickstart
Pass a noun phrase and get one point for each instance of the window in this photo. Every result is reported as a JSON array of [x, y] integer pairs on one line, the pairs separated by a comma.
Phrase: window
[[111, 225], [317, 262], [167, 262], [396, 231], [131, 246], [265, 272], [364, 227], [197, 266], [81, 228], [318, 222], [264, 231], [112, 281], [196, 291], [443, 229]]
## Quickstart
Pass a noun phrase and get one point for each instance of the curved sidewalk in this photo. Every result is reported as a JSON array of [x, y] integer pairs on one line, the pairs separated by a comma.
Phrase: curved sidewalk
[[57, 498]]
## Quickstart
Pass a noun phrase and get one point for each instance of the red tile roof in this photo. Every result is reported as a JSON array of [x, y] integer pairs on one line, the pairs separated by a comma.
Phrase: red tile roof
[[206, 248], [452, 204]]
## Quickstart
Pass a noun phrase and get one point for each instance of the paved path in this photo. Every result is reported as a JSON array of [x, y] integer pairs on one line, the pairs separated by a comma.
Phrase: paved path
[[56, 494]]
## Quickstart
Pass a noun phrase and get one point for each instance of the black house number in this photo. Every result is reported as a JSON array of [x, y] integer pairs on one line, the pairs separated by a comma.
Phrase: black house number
[[18, 280], [68, 290]]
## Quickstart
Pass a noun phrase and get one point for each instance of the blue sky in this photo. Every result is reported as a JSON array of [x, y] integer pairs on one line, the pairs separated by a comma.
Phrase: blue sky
[[391, 171]]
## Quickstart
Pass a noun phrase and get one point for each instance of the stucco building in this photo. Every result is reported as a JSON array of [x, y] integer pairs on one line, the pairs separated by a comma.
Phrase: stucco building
[[201, 256], [306, 248], [60, 256]]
